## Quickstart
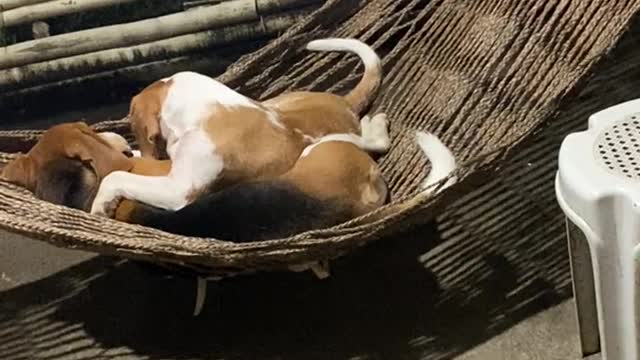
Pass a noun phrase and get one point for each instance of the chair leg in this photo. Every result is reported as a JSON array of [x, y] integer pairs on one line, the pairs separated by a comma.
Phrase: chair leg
[[583, 290], [613, 276]]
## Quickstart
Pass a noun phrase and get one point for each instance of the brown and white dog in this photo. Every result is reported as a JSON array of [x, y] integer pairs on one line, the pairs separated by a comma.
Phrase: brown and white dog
[[216, 137], [331, 182]]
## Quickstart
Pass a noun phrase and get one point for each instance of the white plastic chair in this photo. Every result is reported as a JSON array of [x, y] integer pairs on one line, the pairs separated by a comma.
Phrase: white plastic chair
[[598, 188]]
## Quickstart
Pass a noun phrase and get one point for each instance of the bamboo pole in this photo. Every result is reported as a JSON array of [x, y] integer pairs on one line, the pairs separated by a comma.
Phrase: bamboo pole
[[78, 65], [264, 7], [271, 6], [189, 5], [114, 85], [12, 4], [122, 35], [49, 9], [137, 74]]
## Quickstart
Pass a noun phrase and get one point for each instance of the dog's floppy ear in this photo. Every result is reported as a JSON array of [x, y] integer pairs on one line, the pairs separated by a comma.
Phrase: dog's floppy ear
[[146, 128], [144, 117], [94, 151], [20, 171]]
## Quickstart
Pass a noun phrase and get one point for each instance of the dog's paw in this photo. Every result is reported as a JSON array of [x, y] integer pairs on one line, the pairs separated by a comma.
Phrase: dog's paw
[[365, 121], [106, 209], [376, 126], [117, 142], [99, 209], [379, 123], [375, 132], [106, 201]]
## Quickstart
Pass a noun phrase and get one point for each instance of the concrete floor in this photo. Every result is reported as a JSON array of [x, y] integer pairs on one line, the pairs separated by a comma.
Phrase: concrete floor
[[549, 335]]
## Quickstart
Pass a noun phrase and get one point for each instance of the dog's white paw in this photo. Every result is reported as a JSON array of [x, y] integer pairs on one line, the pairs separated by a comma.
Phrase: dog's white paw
[[375, 132], [380, 126], [380, 122], [116, 141], [107, 200], [106, 208], [99, 208], [364, 122]]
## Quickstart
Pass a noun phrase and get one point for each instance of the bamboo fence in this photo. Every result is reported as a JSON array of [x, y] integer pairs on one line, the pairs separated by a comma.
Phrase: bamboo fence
[[70, 57]]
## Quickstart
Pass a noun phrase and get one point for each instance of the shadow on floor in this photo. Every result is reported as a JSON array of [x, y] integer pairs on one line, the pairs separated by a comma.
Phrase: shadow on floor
[[380, 303]]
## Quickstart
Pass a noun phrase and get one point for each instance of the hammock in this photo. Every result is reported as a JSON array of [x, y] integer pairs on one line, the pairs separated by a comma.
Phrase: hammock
[[482, 75]]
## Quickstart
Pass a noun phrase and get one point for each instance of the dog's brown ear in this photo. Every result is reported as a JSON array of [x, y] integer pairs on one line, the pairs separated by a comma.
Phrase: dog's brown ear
[[146, 128], [144, 116], [20, 171], [89, 148]]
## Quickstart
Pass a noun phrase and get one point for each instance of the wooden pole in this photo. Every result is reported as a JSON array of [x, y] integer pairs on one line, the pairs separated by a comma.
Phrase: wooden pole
[[113, 86], [107, 80], [33, 74], [272, 6], [188, 5], [3, 30], [12, 4], [122, 35], [49, 9]]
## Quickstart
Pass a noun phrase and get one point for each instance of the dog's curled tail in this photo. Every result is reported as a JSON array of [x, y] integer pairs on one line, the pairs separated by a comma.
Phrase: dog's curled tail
[[363, 94], [443, 163]]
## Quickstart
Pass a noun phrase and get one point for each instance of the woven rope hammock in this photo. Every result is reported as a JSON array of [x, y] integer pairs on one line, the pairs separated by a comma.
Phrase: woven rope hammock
[[482, 75]]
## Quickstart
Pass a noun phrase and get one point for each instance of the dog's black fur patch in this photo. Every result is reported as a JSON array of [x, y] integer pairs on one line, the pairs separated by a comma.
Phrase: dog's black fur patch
[[247, 212]]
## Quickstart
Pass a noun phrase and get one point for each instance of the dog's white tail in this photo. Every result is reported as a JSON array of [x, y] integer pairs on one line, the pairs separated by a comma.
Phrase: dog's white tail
[[367, 89], [443, 163]]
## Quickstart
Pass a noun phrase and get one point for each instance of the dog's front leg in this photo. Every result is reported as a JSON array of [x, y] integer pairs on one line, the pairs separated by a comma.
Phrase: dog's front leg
[[160, 191], [196, 165]]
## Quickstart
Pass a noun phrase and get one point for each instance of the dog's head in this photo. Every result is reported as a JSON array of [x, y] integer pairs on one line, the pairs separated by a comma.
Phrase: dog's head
[[101, 154], [144, 116]]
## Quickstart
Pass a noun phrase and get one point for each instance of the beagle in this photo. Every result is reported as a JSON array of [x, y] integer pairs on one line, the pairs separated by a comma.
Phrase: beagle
[[216, 137]]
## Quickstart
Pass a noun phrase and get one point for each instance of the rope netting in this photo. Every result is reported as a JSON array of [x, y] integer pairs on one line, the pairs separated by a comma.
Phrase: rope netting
[[482, 75]]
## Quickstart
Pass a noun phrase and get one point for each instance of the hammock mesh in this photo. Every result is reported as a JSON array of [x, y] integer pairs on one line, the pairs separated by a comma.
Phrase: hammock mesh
[[482, 75]]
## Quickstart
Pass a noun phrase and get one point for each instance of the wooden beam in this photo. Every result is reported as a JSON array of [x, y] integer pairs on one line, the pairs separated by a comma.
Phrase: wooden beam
[[135, 33]]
